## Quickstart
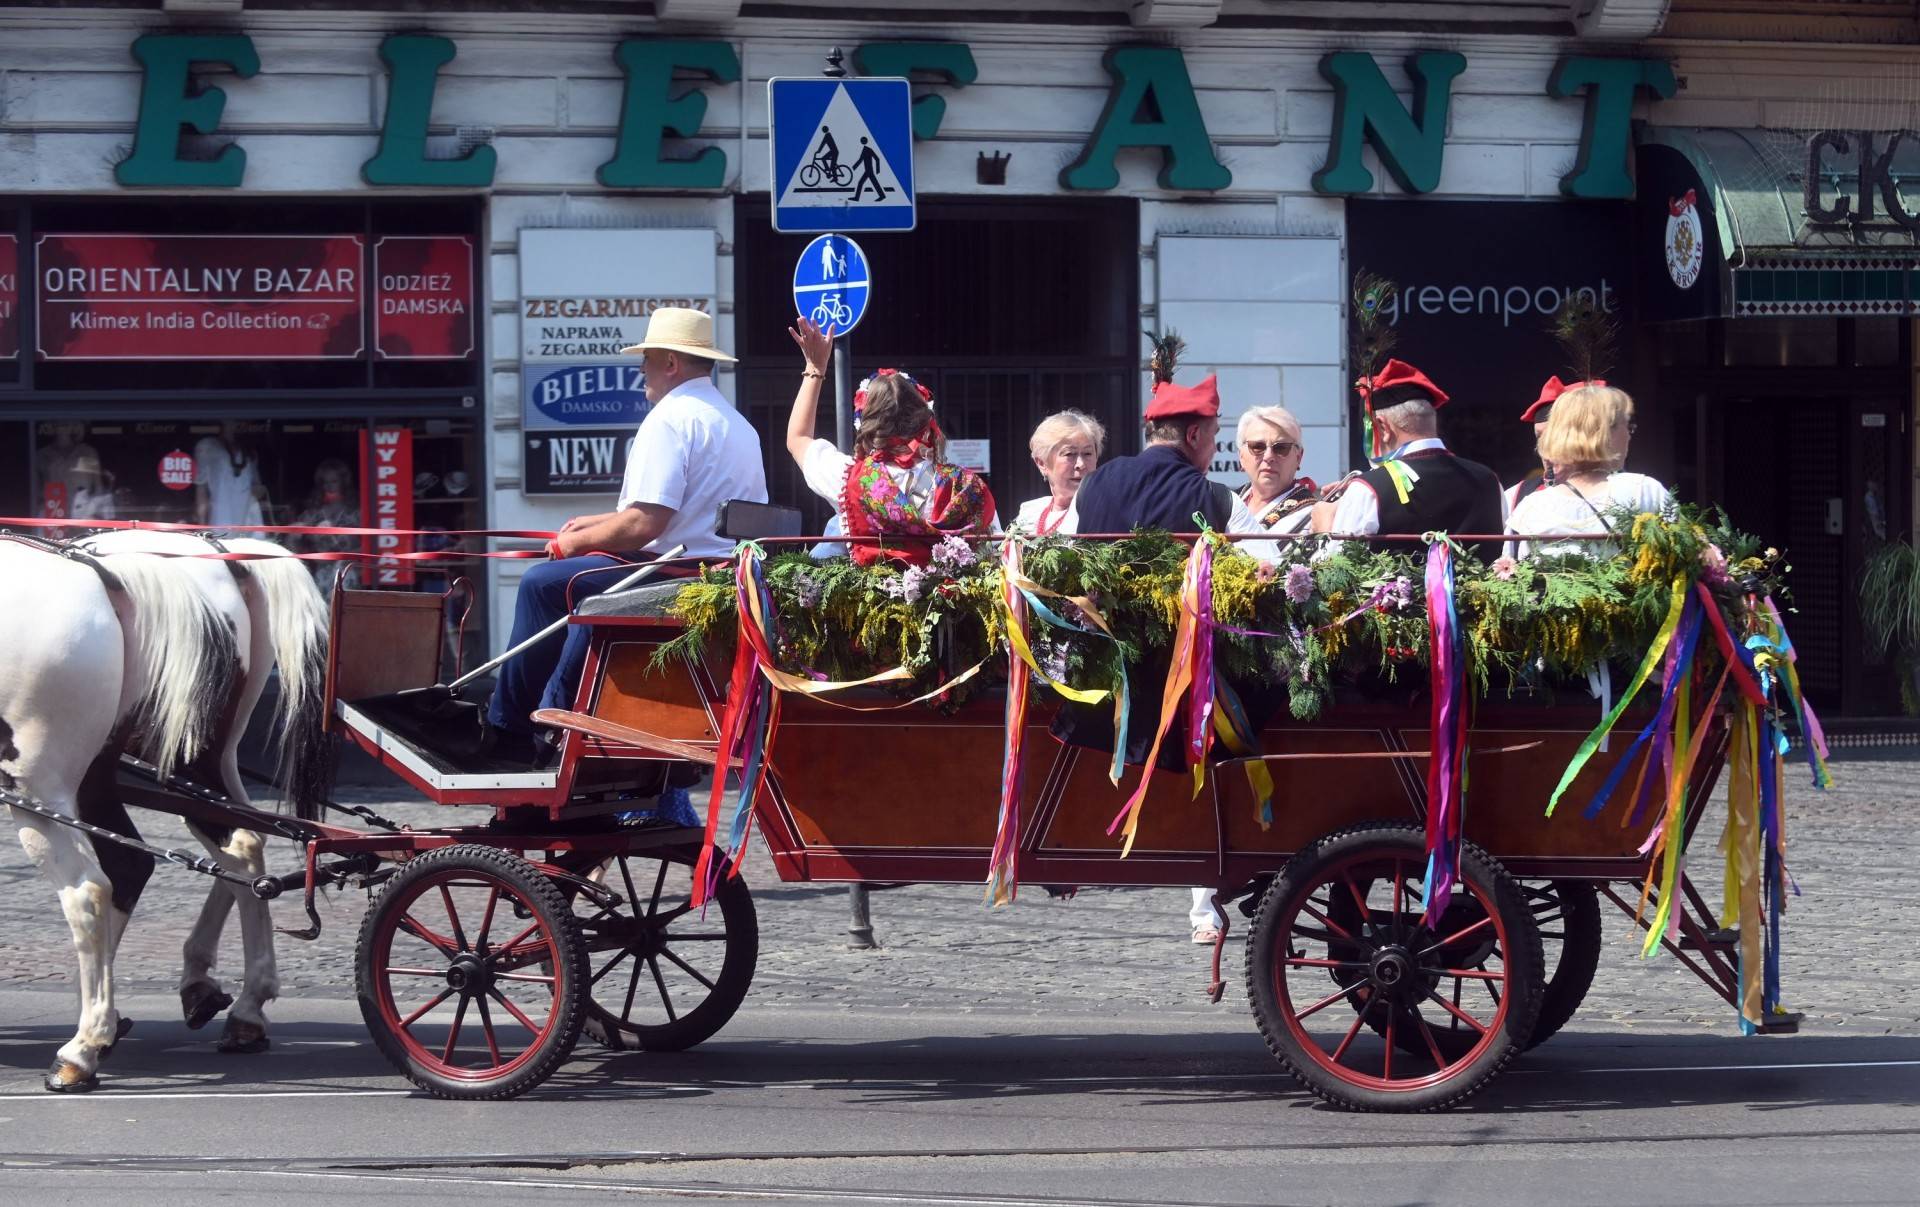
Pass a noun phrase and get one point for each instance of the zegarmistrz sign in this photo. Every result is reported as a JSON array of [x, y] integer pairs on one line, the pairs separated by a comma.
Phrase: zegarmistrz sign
[[200, 297]]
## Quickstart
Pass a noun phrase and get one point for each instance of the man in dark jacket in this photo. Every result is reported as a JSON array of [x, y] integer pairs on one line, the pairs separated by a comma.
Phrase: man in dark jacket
[[1419, 486], [1166, 484]]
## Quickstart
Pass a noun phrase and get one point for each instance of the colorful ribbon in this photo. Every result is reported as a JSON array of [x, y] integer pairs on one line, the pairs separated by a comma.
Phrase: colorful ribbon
[[1003, 882], [1447, 759]]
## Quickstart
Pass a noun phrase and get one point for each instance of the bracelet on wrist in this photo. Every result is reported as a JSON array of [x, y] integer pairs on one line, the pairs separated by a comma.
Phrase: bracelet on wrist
[[811, 372]]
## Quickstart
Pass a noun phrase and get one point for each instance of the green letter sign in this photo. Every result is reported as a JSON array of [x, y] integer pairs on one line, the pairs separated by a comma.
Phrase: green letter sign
[[1151, 104], [1365, 109], [413, 68], [647, 113], [1603, 168], [953, 61], [165, 108]]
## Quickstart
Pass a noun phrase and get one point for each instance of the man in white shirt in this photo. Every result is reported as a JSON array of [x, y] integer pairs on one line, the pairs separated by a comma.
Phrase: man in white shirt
[[693, 452]]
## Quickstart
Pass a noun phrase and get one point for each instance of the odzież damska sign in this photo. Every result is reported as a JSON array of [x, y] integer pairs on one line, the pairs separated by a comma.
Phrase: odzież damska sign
[[9, 297], [423, 297], [200, 297]]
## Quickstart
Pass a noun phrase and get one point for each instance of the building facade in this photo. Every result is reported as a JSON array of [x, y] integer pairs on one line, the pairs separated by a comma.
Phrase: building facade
[[521, 188]]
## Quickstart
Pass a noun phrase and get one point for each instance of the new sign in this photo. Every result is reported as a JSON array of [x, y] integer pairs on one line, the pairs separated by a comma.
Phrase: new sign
[[200, 297]]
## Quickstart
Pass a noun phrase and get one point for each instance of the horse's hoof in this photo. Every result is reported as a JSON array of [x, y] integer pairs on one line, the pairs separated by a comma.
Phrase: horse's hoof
[[243, 1038], [201, 1004], [119, 1033], [64, 1078]]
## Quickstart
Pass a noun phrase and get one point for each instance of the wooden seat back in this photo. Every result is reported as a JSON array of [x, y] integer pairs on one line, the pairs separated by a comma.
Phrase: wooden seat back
[[382, 642]]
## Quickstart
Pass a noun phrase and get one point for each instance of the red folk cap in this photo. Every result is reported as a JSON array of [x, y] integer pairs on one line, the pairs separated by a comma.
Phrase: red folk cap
[[1551, 391], [1400, 373], [1174, 402]]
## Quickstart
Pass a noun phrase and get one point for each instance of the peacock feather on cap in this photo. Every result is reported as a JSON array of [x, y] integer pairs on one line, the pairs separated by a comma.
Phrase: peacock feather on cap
[[1373, 338], [1587, 335], [1167, 350]]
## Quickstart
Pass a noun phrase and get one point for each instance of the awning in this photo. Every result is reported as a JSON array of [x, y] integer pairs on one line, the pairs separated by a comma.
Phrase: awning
[[1771, 246]]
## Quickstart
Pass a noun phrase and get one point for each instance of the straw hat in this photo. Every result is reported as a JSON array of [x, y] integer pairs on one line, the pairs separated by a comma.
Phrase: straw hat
[[676, 329]]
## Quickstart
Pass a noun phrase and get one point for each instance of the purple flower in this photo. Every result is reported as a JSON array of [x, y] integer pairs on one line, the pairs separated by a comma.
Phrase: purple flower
[[1053, 663], [953, 555], [1299, 583], [1392, 596], [806, 590], [892, 586], [913, 584]]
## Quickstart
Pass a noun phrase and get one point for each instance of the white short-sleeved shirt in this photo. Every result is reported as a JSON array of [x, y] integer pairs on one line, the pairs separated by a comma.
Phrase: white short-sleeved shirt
[[1034, 512], [1557, 510], [694, 451]]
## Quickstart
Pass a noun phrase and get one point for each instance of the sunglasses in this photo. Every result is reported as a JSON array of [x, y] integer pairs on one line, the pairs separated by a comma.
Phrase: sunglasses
[[1282, 448]]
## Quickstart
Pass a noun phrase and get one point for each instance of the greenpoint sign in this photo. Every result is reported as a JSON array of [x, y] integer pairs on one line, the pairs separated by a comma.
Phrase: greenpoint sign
[[1150, 107]]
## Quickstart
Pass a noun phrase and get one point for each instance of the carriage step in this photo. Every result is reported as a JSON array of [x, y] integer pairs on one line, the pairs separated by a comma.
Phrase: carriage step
[[1787, 1022]]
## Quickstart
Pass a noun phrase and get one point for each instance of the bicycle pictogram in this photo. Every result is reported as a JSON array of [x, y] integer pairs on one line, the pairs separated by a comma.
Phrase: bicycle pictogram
[[832, 311]]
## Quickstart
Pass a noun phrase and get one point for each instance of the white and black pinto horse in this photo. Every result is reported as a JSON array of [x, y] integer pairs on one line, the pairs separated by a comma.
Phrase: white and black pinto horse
[[165, 656]]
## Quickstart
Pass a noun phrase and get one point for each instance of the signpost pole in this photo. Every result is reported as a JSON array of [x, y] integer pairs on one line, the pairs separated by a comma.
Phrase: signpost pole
[[843, 393]]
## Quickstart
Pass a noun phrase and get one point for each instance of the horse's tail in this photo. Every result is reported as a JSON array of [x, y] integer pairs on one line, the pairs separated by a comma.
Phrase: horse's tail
[[187, 656], [297, 625]]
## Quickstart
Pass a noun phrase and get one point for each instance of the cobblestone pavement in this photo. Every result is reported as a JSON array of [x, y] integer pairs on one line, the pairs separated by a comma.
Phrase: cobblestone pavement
[[1852, 957]]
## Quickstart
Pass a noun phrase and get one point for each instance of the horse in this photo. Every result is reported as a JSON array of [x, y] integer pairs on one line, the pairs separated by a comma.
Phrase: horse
[[279, 619], [97, 655]]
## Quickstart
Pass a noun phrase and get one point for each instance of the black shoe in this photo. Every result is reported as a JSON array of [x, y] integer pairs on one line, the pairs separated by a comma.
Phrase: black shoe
[[511, 746]]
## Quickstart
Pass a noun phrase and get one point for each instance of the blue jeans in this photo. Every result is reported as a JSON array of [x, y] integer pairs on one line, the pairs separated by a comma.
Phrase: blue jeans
[[548, 675]]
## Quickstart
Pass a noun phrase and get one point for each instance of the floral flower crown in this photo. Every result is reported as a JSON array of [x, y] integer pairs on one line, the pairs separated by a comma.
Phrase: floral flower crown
[[860, 395]]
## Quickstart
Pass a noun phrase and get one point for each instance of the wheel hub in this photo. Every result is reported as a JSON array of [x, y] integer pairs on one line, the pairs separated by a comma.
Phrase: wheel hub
[[469, 974], [1394, 973]]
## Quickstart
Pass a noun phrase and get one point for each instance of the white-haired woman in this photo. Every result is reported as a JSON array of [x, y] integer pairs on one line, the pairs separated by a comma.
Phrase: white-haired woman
[[1278, 496], [1066, 447], [1586, 441]]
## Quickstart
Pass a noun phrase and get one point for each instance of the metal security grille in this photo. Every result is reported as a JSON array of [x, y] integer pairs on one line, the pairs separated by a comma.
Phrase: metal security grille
[[1820, 583], [1007, 310]]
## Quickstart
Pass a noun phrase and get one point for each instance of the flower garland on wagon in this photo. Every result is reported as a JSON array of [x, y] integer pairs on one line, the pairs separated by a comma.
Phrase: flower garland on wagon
[[1690, 602]]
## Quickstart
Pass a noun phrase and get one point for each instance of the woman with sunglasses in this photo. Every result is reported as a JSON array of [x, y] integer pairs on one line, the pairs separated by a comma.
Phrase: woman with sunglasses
[[1279, 499]]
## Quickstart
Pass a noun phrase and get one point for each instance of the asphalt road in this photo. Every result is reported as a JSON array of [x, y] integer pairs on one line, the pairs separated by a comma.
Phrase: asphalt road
[[985, 1107], [1055, 1052]]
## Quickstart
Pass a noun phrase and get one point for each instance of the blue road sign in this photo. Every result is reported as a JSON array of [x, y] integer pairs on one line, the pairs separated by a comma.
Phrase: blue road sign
[[831, 283], [842, 154]]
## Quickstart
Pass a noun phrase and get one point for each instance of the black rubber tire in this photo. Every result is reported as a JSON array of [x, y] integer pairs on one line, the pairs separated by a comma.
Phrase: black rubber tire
[[534, 899], [1573, 957], [618, 1022], [1467, 1072]]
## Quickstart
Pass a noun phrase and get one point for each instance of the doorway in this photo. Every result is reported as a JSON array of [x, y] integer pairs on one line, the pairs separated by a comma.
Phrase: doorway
[[1798, 428]]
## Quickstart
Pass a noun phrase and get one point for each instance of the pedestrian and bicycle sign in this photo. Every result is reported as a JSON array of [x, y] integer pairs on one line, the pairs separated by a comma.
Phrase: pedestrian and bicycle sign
[[831, 283], [842, 154]]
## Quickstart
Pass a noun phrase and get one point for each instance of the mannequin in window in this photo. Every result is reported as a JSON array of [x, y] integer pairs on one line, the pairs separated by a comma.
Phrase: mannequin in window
[[227, 491]]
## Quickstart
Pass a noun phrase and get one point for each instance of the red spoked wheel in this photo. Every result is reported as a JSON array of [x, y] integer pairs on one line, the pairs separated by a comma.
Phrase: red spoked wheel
[[472, 973], [664, 975], [1366, 1004]]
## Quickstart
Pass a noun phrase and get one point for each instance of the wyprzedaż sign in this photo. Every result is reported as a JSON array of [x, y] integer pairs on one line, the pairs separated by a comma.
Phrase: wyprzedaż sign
[[386, 500], [200, 297], [423, 297], [9, 297]]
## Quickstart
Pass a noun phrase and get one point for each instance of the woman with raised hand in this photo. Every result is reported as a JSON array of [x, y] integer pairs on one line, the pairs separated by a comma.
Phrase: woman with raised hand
[[896, 480]]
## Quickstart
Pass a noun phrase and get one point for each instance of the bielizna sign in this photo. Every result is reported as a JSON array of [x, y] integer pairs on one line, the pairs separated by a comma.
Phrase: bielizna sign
[[577, 395]]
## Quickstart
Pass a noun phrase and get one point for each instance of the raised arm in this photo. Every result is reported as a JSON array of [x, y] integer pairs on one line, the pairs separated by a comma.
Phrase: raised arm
[[817, 346]]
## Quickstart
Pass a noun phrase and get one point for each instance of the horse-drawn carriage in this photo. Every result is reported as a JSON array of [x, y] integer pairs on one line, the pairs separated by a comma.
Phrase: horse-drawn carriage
[[490, 947]]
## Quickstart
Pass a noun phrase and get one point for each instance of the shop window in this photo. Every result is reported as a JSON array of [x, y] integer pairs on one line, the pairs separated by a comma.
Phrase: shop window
[[1778, 342], [1876, 341], [233, 474]]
